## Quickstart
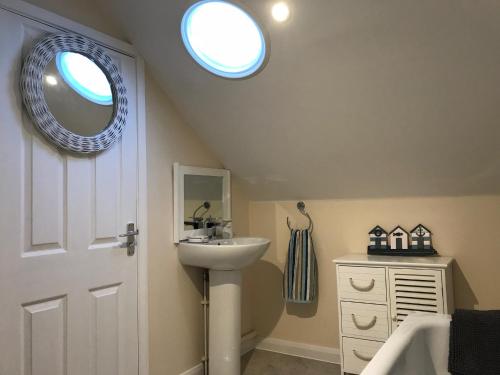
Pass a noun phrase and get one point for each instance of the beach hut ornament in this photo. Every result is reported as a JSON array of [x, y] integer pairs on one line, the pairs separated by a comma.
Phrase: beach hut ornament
[[399, 239], [378, 239], [421, 238], [398, 242]]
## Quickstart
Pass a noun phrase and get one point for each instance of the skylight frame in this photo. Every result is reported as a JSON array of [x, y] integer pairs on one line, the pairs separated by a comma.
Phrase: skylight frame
[[255, 68]]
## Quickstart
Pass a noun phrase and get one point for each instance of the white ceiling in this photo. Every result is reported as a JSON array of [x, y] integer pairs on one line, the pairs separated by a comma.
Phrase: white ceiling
[[360, 98]]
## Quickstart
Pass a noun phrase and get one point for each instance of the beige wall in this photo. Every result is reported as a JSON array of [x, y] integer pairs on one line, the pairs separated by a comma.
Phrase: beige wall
[[175, 316], [176, 320], [466, 228]]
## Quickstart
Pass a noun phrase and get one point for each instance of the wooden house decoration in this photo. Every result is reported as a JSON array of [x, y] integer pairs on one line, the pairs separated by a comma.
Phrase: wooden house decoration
[[378, 239], [398, 239], [421, 238]]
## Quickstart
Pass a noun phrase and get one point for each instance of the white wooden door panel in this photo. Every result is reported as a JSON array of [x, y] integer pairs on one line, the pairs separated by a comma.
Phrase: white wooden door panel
[[68, 290], [44, 337], [48, 174], [107, 194], [104, 330]]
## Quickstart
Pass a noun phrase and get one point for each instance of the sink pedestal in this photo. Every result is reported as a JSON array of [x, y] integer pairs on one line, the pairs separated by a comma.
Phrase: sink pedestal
[[225, 259], [225, 322]]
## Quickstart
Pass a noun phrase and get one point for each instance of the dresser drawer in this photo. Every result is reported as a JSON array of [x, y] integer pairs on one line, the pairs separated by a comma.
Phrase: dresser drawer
[[357, 353], [364, 319], [362, 283]]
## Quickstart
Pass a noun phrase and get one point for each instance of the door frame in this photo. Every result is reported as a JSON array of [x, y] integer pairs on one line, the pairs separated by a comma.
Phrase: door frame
[[35, 13]]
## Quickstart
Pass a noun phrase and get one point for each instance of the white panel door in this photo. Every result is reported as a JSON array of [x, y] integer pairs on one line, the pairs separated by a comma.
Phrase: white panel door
[[68, 291]]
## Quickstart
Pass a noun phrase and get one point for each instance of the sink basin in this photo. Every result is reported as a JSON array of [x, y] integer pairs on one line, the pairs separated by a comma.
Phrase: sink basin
[[223, 255]]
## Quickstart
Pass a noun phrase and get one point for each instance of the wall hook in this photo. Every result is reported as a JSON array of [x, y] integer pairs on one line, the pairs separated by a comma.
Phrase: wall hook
[[301, 206]]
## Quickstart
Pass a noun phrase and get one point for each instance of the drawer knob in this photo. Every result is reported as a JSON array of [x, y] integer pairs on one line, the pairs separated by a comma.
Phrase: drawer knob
[[361, 356], [362, 288], [364, 327]]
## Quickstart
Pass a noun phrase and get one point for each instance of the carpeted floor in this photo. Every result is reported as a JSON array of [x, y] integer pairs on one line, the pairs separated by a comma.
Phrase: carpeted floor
[[260, 362]]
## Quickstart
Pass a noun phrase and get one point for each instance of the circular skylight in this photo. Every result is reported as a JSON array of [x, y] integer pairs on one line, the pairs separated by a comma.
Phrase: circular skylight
[[223, 38], [85, 77]]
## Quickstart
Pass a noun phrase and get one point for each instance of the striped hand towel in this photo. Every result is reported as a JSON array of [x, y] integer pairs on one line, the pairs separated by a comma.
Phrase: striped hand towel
[[300, 279]]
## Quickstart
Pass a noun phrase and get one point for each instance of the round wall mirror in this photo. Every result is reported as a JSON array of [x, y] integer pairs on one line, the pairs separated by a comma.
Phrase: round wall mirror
[[74, 93]]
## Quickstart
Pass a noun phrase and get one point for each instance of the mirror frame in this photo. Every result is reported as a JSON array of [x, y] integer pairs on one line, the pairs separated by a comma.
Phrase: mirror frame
[[31, 84], [179, 172]]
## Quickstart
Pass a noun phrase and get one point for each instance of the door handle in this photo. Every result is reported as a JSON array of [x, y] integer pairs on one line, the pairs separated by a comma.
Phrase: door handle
[[130, 235]]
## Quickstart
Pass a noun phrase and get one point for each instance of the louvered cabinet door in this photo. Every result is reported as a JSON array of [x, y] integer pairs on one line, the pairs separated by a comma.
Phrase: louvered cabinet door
[[414, 290]]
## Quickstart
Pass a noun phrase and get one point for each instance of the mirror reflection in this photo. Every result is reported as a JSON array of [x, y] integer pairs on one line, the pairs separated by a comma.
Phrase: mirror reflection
[[78, 94], [202, 200]]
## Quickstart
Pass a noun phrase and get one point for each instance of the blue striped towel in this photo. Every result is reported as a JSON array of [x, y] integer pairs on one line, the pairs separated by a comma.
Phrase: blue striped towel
[[300, 279]]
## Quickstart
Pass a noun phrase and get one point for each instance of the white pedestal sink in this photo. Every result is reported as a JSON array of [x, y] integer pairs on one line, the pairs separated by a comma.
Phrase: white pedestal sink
[[224, 259]]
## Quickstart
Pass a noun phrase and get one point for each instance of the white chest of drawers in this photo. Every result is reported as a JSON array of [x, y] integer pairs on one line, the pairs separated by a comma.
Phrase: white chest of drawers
[[376, 293]]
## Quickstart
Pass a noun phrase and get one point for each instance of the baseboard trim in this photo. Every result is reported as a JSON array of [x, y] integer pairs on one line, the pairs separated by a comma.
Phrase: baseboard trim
[[251, 341], [297, 349], [248, 343], [196, 370]]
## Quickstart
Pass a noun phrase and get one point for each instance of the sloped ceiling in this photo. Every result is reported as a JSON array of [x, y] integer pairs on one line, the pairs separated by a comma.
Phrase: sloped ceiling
[[360, 98]]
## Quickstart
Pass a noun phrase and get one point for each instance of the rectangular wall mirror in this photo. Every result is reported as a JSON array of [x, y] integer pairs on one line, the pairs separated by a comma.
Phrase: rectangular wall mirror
[[201, 195]]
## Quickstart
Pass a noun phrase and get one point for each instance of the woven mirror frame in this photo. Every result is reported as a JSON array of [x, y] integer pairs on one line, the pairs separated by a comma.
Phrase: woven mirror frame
[[43, 52]]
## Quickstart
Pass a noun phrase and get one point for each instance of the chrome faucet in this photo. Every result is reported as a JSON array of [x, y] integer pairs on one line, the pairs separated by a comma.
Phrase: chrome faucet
[[224, 229], [219, 229], [208, 228]]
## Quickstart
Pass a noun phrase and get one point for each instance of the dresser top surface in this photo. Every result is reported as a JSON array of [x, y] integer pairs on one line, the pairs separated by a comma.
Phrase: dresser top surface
[[385, 260]]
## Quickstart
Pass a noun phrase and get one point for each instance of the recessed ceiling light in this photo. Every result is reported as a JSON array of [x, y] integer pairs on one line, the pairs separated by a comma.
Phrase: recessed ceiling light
[[280, 11], [51, 80]]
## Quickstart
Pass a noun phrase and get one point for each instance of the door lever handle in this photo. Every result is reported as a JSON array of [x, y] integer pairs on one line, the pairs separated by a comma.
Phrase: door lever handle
[[131, 233]]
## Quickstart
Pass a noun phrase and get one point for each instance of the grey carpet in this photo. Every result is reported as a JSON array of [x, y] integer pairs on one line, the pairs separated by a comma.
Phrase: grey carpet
[[260, 362]]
